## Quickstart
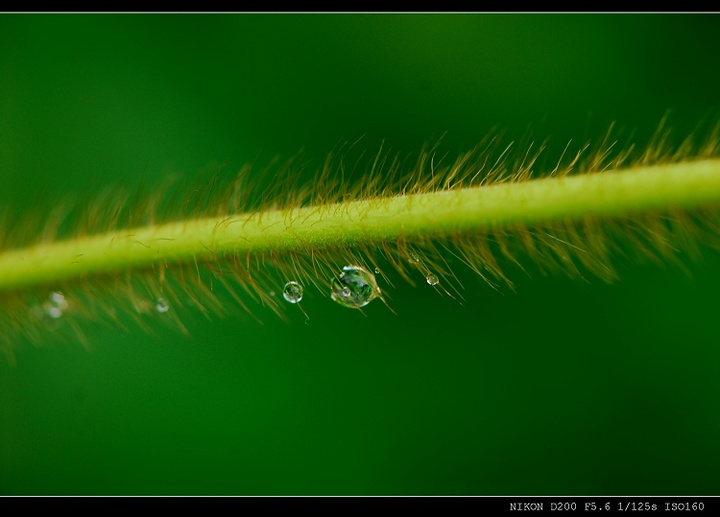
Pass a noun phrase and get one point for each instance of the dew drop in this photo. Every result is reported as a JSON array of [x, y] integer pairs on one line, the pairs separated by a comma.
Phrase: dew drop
[[53, 312], [355, 287], [162, 305], [377, 270], [432, 279], [50, 311], [58, 300], [413, 259], [293, 292], [55, 305]]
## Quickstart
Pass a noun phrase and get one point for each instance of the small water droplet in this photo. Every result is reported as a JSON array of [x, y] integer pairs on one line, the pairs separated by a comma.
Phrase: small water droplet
[[55, 305], [58, 300], [162, 305], [293, 292], [355, 287], [432, 279], [271, 293], [413, 258], [53, 312], [377, 270], [50, 311]]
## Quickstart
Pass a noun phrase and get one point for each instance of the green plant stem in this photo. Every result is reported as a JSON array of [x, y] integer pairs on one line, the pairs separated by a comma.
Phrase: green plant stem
[[459, 211]]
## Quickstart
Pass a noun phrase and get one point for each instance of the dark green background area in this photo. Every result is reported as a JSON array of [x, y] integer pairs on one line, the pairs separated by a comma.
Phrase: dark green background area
[[565, 387]]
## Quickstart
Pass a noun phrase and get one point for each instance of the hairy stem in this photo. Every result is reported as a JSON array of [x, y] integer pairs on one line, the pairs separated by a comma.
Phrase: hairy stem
[[457, 211]]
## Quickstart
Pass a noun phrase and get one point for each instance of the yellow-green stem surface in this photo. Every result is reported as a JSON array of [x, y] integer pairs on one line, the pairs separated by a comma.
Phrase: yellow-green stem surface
[[458, 211]]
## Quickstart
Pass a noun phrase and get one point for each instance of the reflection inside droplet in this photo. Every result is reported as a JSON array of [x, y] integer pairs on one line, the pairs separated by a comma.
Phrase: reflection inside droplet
[[355, 287], [293, 292]]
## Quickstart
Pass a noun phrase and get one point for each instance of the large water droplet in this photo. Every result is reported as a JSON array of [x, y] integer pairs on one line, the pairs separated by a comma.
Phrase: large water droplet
[[432, 279], [293, 292], [355, 287]]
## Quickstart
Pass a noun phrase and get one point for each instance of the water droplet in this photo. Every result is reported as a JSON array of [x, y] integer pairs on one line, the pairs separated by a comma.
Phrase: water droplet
[[55, 305], [432, 279], [377, 270], [355, 287], [58, 300], [293, 292], [162, 305], [53, 312], [271, 293], [413, 259], [50, 311]]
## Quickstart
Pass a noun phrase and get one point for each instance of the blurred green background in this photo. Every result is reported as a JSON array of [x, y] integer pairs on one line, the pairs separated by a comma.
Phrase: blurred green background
[[564, 387]]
